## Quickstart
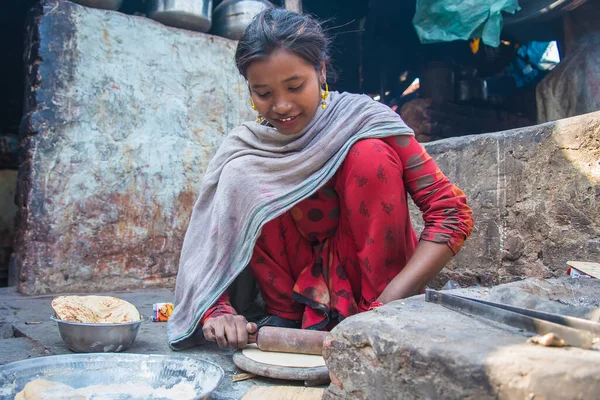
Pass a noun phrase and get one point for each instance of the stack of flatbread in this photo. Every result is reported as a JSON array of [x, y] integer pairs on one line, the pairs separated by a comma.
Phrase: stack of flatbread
[[94, 309]]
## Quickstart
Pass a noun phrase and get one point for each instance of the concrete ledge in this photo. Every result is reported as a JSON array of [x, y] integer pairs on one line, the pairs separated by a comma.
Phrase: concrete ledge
[[535, 194], [410, 349], [122, 117]]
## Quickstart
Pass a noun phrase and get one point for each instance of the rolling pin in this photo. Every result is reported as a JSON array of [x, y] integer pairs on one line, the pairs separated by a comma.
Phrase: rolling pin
[[286, 340]]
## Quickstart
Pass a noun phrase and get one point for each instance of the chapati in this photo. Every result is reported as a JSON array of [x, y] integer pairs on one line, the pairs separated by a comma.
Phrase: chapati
[[94, 309], [283, 359]]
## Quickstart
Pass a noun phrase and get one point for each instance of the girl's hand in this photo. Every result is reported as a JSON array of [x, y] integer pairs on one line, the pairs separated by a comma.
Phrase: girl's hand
[[229, 331]]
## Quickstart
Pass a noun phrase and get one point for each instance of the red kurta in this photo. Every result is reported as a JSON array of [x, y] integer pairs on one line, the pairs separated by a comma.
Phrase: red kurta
[[333, 253]]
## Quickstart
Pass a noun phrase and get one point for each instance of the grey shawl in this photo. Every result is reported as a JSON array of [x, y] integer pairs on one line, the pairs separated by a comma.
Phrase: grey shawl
[[256, 175]]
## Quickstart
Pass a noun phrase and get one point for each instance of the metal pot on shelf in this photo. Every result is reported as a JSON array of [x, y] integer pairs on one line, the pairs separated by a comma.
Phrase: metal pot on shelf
[[193, 15], [470, 87], [232, 17]]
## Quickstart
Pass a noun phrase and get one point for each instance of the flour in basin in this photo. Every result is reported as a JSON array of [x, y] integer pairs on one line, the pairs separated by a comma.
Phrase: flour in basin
[[40, 389]]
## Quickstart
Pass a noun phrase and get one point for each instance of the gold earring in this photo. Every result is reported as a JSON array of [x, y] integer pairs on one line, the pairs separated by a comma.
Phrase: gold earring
[[324, 96], [259, 117]]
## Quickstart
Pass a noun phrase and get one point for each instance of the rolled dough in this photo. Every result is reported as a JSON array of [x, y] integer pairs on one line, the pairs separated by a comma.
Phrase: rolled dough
[[283, 359], [41, 389]]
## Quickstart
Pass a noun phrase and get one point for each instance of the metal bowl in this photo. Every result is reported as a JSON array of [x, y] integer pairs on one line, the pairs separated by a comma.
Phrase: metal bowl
[[117, 376], [98, 338], [193, 15], [232, 17]]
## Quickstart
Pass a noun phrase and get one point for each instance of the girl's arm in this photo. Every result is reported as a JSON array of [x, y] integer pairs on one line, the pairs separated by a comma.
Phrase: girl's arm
[[427, 261], [448, 219]]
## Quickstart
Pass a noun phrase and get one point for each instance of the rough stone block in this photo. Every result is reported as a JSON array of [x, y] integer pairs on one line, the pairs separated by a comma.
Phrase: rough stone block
[[535, 194], [410, 349], [122, 117]]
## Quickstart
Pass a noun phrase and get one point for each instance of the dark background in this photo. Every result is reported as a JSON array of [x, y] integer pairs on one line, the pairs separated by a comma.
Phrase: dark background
[[374, 46]]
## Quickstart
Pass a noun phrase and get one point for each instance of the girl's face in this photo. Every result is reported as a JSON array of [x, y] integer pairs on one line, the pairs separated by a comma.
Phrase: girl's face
[[286, 90]]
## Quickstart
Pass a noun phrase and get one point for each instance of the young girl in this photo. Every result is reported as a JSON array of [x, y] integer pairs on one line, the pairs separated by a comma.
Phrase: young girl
[[312, 197]]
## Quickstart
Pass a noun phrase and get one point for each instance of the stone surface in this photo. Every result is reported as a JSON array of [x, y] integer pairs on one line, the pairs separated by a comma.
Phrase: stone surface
[[573, 87], [410, 349], [42, 338], [20, 348], [578, 298], [122, 117], [535, 194]]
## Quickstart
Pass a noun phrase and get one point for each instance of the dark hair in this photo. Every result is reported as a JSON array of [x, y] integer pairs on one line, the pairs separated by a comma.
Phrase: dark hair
[[277, 28]]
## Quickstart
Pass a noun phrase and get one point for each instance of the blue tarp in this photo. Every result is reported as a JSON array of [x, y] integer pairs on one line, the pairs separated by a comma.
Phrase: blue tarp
[[533, 61]]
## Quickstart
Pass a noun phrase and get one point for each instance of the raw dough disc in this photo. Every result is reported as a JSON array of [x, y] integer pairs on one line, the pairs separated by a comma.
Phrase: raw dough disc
[[283, 359], [41, 389]]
